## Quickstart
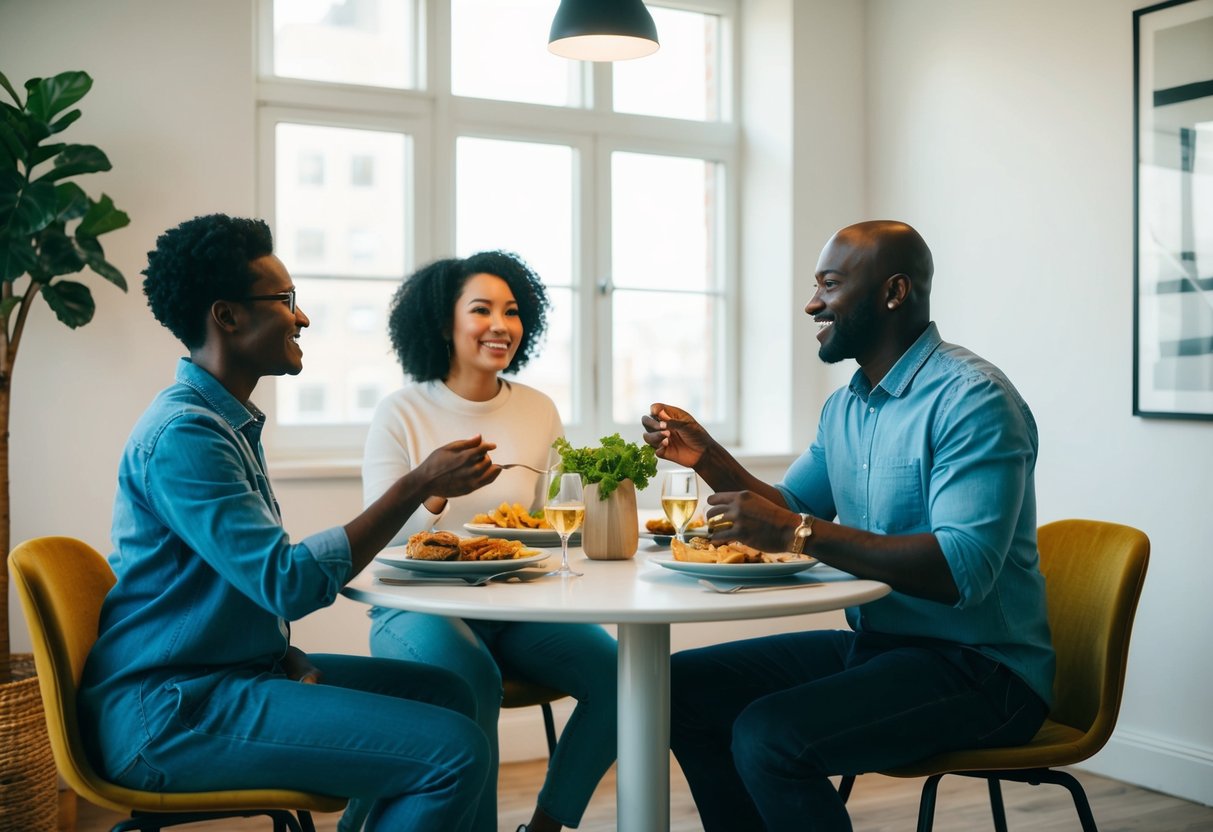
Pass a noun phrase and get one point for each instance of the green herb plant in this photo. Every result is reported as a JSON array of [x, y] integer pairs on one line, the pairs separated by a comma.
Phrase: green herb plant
[[613, 462]]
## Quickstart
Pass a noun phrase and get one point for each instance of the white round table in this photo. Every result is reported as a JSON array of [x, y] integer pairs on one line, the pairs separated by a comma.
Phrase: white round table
[[643, 599]]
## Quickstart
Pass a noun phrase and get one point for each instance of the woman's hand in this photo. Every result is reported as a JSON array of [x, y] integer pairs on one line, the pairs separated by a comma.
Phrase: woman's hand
[[299, 668], [675, 435], [458, 468], [750, 519]]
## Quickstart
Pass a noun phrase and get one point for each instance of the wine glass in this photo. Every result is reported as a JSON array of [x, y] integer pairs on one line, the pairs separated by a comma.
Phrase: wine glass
[[680, 498], [564, 509]]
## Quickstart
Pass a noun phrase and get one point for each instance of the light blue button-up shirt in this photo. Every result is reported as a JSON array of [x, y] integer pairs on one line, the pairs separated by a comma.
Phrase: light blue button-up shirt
[[207, 576], [943, 444]]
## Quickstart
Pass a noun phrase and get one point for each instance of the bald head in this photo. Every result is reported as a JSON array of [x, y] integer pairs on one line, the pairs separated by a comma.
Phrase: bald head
[[892, 247]]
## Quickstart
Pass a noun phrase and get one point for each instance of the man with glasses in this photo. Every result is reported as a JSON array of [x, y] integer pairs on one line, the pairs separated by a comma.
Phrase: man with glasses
[[192, 684]]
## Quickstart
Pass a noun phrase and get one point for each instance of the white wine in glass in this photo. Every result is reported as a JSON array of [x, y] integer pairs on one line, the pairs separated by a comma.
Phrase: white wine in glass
[[680, 498], [565, 511]]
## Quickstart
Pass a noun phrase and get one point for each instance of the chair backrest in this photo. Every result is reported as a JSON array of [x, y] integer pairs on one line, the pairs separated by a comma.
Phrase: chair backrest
[[61, 583], [1094, 573]]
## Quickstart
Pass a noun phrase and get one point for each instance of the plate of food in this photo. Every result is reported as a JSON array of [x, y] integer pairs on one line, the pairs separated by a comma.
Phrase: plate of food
[[446, 553], [513, 522], [735, 561]]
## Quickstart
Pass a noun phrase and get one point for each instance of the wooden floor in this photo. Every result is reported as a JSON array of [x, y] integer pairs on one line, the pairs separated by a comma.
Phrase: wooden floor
[[878, 804]]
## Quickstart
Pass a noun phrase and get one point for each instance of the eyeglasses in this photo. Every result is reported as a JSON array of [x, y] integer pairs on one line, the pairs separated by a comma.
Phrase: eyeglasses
[[289, 297]]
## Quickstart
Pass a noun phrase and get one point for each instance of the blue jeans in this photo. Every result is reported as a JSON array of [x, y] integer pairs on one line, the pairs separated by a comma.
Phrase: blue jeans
[[759, 725], [579, 659], [394, 736]]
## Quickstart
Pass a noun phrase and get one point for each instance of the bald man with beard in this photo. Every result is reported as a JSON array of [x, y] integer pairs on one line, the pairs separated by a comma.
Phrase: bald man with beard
[[921, 476]]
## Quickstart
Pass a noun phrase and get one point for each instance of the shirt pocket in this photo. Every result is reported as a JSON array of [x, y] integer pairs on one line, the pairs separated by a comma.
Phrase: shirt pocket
[[895, 496]]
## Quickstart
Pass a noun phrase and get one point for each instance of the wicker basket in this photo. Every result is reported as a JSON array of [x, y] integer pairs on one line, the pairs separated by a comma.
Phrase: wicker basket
[[29, 783]]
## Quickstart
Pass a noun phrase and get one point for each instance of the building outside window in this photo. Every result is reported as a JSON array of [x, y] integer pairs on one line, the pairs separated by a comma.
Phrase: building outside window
[[616, 182]]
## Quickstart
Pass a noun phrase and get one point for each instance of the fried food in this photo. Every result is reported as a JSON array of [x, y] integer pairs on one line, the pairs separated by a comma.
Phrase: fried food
[[492, 548], [661, 525], [507, 516], [433, 546], [702, 550]]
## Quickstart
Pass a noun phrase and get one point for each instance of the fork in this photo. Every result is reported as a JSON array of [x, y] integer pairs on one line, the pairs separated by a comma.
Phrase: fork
[[522, 465], [509, 576], [728, 589]]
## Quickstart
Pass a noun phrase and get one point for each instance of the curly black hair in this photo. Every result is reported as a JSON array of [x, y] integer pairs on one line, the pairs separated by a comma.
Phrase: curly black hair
[[199, 262], [423, 310]]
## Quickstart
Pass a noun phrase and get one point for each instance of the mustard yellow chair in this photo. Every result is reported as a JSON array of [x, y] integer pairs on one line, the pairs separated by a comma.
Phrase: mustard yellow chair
[[61, 583], [520, 694], [1093, 572]]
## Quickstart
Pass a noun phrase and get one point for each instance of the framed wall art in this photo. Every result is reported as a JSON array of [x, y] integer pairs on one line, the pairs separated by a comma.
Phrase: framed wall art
[[1173, 217]]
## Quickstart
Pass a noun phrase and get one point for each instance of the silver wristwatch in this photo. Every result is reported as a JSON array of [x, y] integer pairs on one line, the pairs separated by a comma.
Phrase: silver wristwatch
[[803, 532]]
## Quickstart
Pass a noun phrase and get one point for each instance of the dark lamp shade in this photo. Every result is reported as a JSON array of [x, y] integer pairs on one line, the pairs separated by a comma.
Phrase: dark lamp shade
[[602, 30]]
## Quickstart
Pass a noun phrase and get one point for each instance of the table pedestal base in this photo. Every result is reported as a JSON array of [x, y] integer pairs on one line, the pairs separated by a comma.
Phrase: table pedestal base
[[642, 795]]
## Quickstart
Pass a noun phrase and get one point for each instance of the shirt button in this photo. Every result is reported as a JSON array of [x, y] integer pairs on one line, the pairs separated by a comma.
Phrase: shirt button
[[871, 410], [865, 466]]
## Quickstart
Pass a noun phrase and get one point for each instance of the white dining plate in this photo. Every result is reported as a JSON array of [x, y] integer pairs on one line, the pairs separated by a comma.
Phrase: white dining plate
[[531, 537], [735, 571], [457, 567]]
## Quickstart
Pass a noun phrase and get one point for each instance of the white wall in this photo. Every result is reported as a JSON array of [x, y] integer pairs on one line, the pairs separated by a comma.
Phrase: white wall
[[1003, 132]]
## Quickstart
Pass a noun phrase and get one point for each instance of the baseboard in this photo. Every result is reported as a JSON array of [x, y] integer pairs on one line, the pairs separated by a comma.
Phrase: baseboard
[[1162, 764]]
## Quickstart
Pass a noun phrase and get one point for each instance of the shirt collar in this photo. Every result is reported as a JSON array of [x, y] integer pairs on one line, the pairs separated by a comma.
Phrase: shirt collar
[[217, 396], [898, 378]]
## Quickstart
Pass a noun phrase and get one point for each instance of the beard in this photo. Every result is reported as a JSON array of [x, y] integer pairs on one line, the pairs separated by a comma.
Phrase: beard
[[849, 335]]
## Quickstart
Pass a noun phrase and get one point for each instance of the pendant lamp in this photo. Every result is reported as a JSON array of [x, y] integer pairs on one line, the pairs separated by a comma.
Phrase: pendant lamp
[[602, 30]]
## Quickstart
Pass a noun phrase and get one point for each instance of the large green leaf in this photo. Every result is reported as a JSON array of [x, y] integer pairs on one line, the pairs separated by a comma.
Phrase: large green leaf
[[57, 253], [15, 138], [62, 124], [73, 302], [4, 83], [75, 159], [34, 208], [44, 152], [50, 96], [16, 257], [96, 260], [102, 217], [73, 201]]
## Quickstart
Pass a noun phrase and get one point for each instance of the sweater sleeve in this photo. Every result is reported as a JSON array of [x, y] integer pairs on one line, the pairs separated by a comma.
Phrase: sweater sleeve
[[386, 459]]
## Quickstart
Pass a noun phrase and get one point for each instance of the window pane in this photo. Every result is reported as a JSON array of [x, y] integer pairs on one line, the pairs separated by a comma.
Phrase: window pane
[[680, 80], [551, 370], [663, 222], [346, 41], [340, 215], [666, 349], [518, 196], [348, 365], [330, 220], [499, 51]]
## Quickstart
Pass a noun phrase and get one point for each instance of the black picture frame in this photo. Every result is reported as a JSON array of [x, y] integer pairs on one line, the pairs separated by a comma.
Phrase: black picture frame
[[1173, 210]]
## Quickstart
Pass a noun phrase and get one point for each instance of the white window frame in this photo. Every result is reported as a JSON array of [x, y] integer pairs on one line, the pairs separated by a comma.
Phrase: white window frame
[[434, 118]]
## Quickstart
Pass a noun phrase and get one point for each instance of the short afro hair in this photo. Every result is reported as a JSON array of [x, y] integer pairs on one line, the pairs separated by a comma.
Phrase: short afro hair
[[423, 309], [199, 262]]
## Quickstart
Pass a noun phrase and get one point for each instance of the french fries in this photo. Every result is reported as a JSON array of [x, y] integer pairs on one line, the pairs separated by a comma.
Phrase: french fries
[[702, 550], [507, 516], [492, 548]]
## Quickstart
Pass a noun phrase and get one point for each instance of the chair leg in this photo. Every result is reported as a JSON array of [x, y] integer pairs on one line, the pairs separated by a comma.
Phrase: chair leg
[[996, 806], [305, 821], [926, 805], [1081, 805], [844, 787], [549, 727]]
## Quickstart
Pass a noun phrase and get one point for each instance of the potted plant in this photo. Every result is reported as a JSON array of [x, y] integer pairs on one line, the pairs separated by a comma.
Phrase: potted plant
[[37, 204], [611, 474]]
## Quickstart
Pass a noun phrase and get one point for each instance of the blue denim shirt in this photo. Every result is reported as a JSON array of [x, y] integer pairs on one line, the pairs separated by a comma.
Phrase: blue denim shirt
[[943, 444], [207, 576]]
